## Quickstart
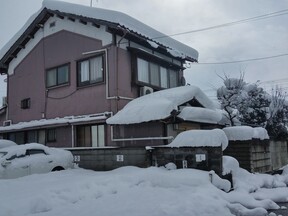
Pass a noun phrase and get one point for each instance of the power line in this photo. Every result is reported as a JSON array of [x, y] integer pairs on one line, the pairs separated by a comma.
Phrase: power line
[[251, 19], [244, 60]]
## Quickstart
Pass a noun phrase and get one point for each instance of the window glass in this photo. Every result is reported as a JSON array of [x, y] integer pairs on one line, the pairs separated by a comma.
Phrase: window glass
[[90, 136], [96, 69], [62, 75], [57, 76], [25, 103], [51, 135], [91, 71], [51, 77], [164, 77], [32, 136], [101, 136], [155, 74], [84, 71], [41, 136], [35, 151], [173, 78], [143, 70]]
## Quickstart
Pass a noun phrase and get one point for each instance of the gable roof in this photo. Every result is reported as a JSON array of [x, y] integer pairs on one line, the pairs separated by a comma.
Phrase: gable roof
[[159, 105], [113, 19]]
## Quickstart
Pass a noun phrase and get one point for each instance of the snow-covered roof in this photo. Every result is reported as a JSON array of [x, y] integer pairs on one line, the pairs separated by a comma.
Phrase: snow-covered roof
[[199, 114], [118, 19], [243, 133], [200, 138], [159, 105], [56, 121]]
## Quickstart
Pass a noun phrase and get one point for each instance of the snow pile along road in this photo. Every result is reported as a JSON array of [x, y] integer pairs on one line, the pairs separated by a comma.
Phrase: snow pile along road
[[134, 191]]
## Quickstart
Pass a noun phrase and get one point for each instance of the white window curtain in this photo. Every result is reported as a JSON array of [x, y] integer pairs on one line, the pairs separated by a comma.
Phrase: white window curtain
[[155, 74], [173, 79], [51, 77], [84, 71], [164, 77], [143, 70], [98, 136], [96, 69]]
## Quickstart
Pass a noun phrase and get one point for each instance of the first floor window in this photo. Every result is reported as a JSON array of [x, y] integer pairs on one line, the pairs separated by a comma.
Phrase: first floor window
[[90, 71], [90, 136], [57, 76], [51, 135]]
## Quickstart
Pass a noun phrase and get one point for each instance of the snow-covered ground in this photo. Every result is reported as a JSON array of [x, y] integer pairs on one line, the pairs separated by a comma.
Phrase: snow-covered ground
[[131, 191]]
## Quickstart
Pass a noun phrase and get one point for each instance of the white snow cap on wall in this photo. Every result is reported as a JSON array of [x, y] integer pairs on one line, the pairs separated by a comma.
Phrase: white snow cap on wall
[[201, 138], [242, 133], [159, 105], [174, 47]]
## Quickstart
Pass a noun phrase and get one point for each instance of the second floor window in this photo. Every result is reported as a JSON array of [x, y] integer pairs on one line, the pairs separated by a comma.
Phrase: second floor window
[[90, 71], [57, 76], [155, 75]]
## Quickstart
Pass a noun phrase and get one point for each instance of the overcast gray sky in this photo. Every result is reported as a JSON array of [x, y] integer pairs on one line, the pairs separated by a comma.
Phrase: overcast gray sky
[[263, 38]]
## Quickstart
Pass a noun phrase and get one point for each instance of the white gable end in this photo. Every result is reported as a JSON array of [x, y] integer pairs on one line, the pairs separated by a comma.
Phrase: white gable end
[[56, 24]]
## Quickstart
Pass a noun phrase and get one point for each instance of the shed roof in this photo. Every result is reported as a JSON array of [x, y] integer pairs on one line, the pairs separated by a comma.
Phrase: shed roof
[[113, 19], [159, 105]]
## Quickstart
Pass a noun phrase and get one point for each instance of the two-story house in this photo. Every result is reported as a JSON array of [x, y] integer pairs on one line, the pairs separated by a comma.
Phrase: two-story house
[[71, 67]]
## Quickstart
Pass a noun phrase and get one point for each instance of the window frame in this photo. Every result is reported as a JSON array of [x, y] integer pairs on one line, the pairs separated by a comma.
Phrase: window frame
[[57, 84], [90, 82], [26, 103], [85, 139], [151, 64]]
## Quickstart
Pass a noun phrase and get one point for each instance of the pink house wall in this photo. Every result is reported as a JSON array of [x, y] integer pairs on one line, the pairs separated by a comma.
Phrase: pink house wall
[[55, 50]]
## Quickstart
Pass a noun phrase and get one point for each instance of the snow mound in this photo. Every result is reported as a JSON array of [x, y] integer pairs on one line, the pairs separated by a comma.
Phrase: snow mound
[[229, 164], [6, 143], [159, 105], [200, 138], [243, 133]]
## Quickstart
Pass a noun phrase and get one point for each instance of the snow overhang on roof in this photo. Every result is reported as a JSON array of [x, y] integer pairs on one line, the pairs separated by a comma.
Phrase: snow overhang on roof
[[113, 19], [159, 105], [43, 123], [199, 114]]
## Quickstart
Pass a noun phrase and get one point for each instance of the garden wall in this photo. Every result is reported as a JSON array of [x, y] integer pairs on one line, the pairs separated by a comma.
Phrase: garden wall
[[104, 159], [279, 153], [253, 155]]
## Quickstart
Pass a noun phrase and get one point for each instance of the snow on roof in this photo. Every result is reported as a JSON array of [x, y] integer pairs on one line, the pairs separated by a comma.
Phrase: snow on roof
[[200, 138], [56, 121], [242, 133], [199, 114], [174, 47], [159, 105]]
